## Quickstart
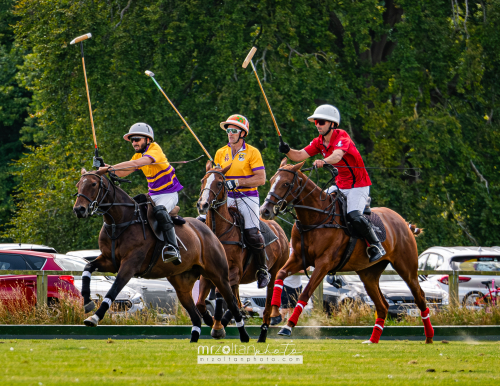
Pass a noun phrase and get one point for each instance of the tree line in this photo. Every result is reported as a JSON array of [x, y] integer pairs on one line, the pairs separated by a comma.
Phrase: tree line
[[416, 83]]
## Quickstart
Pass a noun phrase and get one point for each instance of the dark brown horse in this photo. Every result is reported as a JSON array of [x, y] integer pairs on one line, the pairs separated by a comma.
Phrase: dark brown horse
[[324, 246], [134, 250], [213, 202]]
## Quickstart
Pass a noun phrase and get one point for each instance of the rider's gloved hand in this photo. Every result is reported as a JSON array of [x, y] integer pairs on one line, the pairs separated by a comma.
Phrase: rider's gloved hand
[[284, 148], [231, 184]]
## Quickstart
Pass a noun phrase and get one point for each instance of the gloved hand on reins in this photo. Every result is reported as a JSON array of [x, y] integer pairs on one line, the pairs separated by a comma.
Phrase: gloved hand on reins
[[231, 184]]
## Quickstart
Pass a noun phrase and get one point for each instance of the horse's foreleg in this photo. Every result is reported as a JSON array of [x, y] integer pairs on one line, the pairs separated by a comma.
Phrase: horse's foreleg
[[293, 265], [320, 271], [125, 273], [266, 317], [232, 305], [205, 286], [88, 303], [370, 278]]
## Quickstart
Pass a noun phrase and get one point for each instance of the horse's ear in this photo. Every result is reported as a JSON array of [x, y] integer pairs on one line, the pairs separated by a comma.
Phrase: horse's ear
[[284, 161], [224, 171], [208, 166], [83, 171], [298, 166], [101, 172]]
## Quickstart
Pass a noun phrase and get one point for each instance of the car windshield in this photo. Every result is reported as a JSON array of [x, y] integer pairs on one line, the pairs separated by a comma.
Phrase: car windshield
[[70, 264]]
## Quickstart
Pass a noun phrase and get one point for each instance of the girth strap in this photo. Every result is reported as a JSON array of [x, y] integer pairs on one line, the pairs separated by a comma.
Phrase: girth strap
[[115, 236], [351, 244]]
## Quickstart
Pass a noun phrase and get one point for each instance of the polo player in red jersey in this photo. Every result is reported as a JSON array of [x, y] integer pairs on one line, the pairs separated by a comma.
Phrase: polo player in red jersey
[[338, 149]]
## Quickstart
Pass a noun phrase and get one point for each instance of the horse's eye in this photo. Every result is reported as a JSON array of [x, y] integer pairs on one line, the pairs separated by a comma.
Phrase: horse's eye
[[94, 184], [286, 184], [219, 183]]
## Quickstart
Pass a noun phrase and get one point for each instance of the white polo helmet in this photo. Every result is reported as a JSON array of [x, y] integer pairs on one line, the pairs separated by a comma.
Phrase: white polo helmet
[[326, 112], [140, 128]]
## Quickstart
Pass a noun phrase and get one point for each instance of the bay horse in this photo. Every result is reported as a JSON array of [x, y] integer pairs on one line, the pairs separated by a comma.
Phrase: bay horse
[[213, 202], [324, 246], [133, 248]]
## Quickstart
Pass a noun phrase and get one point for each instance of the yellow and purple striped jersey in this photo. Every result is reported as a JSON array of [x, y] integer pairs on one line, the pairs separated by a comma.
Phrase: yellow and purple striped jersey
[[243, 165], [161, 176]]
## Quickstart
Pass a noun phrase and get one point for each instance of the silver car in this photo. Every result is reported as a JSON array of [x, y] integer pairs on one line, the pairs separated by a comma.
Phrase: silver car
[[465, 259], [127, 301]]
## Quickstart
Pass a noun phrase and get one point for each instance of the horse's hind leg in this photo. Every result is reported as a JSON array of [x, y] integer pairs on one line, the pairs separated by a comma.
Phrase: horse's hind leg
[[370, 278], [183, 285], [293, 265], [410, 276], [205, 286]]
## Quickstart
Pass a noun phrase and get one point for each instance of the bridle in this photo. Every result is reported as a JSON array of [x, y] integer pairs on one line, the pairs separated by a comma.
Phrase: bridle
[[214, 204], [94, 205]]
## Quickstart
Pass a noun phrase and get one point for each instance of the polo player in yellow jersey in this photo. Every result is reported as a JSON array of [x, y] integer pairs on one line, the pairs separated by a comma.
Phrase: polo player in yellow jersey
[[163, 184], [242, 179]]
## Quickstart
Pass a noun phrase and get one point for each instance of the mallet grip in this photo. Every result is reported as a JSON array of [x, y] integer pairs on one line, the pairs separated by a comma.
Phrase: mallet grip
[[81, 38], [249, 57]]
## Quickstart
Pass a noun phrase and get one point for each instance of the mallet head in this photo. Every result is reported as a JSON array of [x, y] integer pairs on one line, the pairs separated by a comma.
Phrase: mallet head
[[149, 73], [81, 38], [249, 57]]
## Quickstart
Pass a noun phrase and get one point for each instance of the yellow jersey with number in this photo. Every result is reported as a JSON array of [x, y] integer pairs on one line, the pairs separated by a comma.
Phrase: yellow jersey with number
[[243, 165]]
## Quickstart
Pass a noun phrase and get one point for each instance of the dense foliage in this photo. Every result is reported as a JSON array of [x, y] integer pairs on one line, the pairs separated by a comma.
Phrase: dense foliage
[[416, 83]]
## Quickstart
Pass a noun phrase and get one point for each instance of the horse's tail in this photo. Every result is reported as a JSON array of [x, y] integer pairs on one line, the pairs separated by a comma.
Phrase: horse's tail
[[416, 231]]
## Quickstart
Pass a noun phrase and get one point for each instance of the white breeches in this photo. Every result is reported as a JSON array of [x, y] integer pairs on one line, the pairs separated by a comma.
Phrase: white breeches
[[169, 200], [356, 197]]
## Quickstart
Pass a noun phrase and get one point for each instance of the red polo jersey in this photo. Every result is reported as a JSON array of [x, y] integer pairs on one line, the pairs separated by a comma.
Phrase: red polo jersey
[[352, 172]]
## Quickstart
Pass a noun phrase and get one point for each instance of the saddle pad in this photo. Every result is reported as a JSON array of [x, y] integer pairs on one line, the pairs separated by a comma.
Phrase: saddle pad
[[377, 225], [269, 236]]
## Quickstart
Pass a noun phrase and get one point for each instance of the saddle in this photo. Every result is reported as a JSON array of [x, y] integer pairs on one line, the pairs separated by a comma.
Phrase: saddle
[[147, 212]]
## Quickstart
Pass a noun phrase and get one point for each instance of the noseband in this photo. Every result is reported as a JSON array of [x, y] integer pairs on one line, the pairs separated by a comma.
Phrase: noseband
[[281, 205], [214, 204], [94, 204]]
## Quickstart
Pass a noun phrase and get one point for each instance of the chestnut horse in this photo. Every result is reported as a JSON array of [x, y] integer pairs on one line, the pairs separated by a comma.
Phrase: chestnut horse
[[213, 202], [134, 250], [324, 246]]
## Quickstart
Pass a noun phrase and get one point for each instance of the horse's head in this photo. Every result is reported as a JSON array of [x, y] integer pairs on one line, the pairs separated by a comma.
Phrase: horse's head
[[284, 184], [213, 189], [91, 188]]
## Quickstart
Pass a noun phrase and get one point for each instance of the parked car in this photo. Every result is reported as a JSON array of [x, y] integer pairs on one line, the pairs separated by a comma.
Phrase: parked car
[[87, 254], [27, 247], [341, 289], [157, 293], [463, 259], [128, 300], [16, 287]]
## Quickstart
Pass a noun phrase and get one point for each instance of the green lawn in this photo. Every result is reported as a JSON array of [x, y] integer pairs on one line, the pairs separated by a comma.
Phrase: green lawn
[[148, 362]]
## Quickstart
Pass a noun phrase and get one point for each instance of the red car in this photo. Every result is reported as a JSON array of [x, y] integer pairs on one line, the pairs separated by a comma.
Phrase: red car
[[17, 287]]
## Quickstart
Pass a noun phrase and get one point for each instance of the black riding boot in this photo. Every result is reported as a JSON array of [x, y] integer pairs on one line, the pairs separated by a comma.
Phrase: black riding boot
[[167, 226], [363, 228], [256, 241]]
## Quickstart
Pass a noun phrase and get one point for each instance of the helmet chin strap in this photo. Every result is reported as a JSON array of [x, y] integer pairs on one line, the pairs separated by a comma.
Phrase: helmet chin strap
[[333, 125]]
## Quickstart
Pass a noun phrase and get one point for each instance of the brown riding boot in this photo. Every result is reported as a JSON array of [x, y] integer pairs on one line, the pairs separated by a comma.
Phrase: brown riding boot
[[256, 243]]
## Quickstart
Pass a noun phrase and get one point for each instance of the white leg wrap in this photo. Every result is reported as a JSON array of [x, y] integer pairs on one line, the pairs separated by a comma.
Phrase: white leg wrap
[[107, 300], [197, 329], [86, 274], [240, 324], [288, 327]]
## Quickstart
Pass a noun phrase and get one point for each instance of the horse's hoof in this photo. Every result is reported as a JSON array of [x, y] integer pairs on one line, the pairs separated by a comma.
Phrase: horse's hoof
[[207, 319], [89, 306], [285, 331], [195, 335], [428, 340], [91, 321], [218, 334], [276, 320], [367, 342], [263, 333]]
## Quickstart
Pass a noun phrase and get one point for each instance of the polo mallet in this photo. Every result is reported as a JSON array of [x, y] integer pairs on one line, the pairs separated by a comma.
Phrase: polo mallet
[[97, 161], [152, 76], [248, 59]]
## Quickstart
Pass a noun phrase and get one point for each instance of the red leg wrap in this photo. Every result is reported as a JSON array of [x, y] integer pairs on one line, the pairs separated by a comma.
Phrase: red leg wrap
[[377, 330], [429, 331], [297, 311], [278, 289]]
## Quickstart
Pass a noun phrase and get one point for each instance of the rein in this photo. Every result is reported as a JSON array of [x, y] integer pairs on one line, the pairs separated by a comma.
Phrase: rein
[[96, 206]]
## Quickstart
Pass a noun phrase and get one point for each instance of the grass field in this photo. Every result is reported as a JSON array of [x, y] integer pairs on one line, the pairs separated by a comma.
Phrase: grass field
[[339, 362]]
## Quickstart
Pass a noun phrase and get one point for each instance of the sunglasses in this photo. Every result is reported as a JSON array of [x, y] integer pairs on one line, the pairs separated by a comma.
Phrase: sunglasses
[[136, 139], [233, 131], [320, 122]]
